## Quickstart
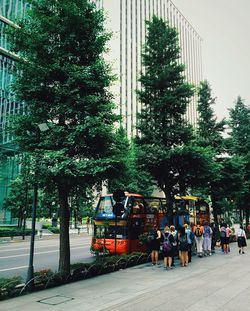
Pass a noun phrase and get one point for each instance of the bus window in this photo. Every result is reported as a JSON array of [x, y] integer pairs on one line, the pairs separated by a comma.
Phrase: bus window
[[181, 206], [138, 206], [105, 205], [111, 232], [153, 205]]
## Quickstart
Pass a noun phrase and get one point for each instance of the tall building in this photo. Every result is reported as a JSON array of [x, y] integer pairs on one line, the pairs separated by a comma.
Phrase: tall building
[[126, 19], [10, 10]]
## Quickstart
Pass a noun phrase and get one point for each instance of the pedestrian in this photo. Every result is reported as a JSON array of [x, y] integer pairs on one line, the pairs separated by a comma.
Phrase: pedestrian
[[198, 236], [154, 238], [214, 237], [175, 243], [190, 237], [241, 239], [222, 224], [207, 235], [167, 247], [183, 247], [88, 223], [225, 233]]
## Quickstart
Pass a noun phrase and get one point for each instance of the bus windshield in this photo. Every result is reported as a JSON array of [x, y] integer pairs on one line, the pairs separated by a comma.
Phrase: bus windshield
[[105, 207]]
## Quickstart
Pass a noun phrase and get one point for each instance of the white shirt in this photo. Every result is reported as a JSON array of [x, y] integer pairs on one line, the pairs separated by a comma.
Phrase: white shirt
[[241, 232]]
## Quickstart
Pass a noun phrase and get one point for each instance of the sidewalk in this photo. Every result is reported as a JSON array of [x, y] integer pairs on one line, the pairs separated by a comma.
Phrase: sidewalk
[[219, 282]]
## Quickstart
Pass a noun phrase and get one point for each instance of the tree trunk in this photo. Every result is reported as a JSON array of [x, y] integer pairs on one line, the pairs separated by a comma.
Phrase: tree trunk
[[64, 259], [247, 216], [241, 218], [215, 213]]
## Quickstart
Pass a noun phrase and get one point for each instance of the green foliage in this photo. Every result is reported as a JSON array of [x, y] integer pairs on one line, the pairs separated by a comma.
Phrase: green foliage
[[239, 146], [12, 231], [64, 81], [210, 135], [164, 145], [51, 228], [239, 124], [130, 177], [165, 94], [19, 200], [209, 130], [8, 287]]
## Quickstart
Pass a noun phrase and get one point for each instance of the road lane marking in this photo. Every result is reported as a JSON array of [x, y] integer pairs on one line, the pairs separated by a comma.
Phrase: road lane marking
[[15, 268], [36, 247], [23, 255]]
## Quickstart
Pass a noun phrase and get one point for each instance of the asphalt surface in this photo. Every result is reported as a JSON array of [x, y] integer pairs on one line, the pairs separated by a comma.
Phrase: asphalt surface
[[14, 255]]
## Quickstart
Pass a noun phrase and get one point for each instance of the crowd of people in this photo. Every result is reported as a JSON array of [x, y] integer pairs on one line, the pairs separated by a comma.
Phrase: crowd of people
[[182, 243]]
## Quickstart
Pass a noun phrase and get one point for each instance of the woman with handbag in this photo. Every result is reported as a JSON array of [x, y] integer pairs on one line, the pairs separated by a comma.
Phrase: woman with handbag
[[241, 239]]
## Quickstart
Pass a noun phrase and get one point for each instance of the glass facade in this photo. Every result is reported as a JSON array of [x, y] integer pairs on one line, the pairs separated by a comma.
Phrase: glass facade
[[10, 11]]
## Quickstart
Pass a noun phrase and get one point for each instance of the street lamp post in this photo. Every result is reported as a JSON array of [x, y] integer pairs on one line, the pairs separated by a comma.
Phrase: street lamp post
[[30, 274]]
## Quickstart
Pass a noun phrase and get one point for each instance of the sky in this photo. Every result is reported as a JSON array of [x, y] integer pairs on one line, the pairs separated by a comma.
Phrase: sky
[[224, 26]]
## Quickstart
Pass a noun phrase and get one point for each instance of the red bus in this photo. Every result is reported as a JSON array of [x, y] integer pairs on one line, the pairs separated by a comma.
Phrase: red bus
[[119, 232]]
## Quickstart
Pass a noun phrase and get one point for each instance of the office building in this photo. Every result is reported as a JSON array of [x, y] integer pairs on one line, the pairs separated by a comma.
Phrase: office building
[[126, 19], [10, 10]]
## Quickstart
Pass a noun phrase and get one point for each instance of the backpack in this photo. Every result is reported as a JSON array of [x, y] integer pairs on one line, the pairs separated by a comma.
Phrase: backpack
[[166, 245], [198, 232], [183, 243], [223, 233], [207, 232], [151, 235]]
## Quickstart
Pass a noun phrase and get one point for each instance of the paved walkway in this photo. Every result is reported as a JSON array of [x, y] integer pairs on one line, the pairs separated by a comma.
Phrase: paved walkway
[[219, 282]]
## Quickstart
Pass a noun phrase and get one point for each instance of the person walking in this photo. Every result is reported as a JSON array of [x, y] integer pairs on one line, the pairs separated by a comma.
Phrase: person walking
[[198, 235], [190, 237], [88, 223], [183, 247], [167, 247], [225, 233], [175, 243], [154, 244], [207, 235], [241, 239]]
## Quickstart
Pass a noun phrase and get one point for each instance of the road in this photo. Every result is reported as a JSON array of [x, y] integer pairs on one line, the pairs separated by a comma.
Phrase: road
[[14, 257]]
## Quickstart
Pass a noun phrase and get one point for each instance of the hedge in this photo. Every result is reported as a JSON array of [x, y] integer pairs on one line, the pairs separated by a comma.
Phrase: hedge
[[10, 232]]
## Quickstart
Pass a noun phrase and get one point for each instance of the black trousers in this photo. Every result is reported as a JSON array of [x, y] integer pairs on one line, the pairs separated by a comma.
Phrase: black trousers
[[189, 252]]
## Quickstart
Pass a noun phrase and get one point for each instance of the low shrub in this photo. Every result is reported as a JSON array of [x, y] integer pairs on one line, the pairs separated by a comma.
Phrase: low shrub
[[11, 232], [8, 287], [54, 230], [46, 226], [51, 228]]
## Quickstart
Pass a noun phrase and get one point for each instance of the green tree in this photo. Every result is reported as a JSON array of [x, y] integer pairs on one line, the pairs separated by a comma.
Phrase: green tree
[[226, 188], [210, 134], [164, 144], [239, 145], [19, 199], [210, 131], [64, 83], [130, 177]]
